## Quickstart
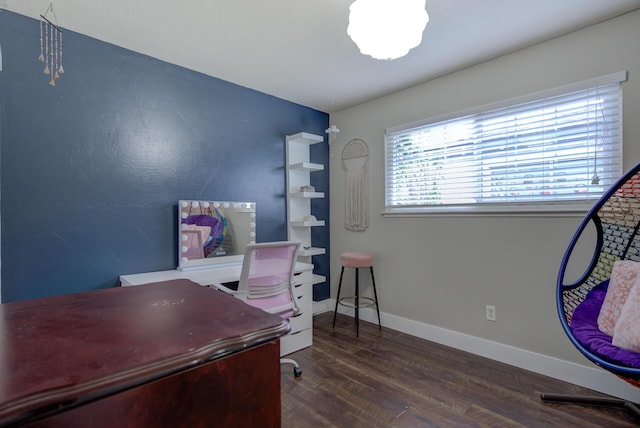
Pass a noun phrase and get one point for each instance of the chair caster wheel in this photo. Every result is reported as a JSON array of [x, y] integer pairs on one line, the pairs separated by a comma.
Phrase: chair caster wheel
[[297, 371]]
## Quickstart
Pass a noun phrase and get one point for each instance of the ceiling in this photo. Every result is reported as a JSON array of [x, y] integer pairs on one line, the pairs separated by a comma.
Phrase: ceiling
[[298, 50]]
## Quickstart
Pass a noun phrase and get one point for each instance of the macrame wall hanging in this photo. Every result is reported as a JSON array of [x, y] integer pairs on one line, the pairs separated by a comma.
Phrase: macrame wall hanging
[[51, 45], [355, 163]]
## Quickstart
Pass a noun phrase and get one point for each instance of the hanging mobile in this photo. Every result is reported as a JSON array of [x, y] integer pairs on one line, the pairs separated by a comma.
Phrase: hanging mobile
[[51, 45]]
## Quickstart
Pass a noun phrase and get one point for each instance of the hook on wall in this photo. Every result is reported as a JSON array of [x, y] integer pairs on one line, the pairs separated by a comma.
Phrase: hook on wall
[[332, 131]]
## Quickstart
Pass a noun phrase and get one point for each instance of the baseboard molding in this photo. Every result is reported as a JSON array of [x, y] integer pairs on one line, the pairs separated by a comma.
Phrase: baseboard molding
[[591, 377], [323, 306]]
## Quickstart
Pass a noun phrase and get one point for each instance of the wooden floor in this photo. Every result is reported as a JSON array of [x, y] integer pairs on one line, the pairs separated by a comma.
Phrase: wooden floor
[[391, 379]]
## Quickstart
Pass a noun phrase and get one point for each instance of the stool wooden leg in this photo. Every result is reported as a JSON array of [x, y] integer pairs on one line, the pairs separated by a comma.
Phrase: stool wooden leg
[[338, 297], [357, 305], [375, 294]]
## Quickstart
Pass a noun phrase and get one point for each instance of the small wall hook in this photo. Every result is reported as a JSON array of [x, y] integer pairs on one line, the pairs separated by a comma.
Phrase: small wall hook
[[332, 130]]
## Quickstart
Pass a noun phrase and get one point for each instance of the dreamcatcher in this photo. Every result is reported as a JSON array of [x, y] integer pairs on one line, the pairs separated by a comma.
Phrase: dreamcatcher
[[51, 45], [355, 163]]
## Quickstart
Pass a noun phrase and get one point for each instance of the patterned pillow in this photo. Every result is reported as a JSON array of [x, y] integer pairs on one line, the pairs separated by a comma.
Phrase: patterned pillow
[[623, 276], [626, 335]]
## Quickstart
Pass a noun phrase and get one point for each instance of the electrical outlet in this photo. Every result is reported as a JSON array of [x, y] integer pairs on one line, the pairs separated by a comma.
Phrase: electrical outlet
[[491, 313]]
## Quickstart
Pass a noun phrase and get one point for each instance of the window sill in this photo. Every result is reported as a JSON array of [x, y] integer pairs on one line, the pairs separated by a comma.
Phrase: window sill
[[555, 210]]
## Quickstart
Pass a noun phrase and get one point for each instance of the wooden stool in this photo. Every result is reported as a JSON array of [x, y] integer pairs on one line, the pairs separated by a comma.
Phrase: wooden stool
[[357, 261]]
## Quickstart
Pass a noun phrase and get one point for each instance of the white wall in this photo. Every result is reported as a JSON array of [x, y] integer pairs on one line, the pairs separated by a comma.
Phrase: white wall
[[442, 271]]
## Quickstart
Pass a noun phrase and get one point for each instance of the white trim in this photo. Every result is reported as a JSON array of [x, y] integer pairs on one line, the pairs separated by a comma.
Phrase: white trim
[[474, 139], [591, 377], [578, 210], [323, 306]]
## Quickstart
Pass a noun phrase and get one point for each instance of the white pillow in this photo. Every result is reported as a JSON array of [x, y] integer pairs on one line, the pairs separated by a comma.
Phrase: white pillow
[[626, 335], [623, 276]]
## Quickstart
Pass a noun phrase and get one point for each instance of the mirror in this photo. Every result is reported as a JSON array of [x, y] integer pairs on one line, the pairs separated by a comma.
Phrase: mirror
[[214, 232]]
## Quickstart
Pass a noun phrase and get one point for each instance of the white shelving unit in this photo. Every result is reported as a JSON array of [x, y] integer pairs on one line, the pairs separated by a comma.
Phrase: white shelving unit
[[299, 170]]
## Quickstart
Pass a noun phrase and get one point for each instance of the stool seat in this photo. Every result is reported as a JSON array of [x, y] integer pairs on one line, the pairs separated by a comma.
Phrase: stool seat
[[356, 260]]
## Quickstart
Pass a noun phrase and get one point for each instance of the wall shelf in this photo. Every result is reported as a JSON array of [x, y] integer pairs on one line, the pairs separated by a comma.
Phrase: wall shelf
[[298, 174], [306, 223], [312, 251], [308, 195], [305, 138], [307, 166], [318, 279]]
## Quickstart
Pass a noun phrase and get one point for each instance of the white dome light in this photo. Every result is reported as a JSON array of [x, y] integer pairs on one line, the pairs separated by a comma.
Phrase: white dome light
[[387, 29]]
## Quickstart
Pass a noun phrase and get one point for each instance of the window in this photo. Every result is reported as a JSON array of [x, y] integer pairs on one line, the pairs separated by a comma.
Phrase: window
[[549, 151]]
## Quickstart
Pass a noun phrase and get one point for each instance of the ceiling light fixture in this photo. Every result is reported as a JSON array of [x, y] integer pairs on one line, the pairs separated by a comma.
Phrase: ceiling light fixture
[[387, 29]]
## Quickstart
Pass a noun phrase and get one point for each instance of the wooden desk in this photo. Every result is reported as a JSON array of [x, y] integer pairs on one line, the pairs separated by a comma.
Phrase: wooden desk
[[301, 334], [161, 355]]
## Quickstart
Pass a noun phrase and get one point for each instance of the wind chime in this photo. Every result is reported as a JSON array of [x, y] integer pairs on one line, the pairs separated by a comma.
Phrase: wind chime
[[51, 45]]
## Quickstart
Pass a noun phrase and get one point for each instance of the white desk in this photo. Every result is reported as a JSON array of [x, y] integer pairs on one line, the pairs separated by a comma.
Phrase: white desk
[[301, 334]]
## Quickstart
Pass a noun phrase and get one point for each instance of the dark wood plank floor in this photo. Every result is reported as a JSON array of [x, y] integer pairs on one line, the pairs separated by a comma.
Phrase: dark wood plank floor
[[391, 379]]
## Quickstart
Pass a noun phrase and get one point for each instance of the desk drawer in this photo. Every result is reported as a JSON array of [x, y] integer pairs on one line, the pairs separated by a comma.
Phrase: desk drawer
[[301, 321], [304, 297], [296, 341], [303, 278]]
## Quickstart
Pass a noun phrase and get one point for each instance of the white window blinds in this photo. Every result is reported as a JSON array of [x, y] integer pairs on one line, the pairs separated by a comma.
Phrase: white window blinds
[[559, 147]]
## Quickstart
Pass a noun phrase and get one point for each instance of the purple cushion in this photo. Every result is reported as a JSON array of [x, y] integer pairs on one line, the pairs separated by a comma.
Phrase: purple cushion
[[584, 325]]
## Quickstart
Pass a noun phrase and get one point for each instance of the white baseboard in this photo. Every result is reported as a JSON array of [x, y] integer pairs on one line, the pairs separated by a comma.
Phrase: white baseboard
[[323, 306], [591, 377]]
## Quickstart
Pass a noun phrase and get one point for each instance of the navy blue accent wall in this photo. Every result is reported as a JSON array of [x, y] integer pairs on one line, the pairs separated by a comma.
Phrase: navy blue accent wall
[[92, 169]]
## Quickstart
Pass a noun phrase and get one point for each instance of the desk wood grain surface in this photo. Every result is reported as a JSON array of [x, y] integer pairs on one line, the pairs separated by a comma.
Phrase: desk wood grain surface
[[61, 352]]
